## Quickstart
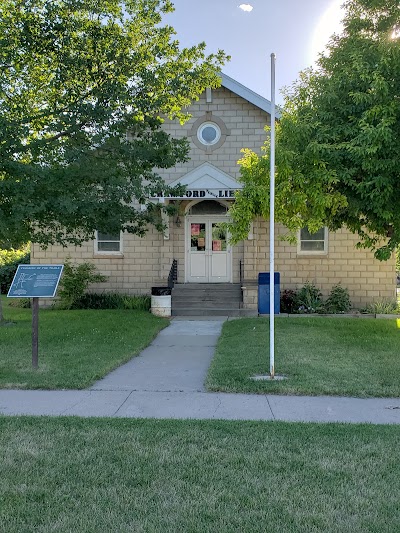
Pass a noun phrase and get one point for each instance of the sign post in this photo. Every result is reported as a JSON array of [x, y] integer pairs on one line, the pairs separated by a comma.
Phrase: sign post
[[35, 281], [35, 332]]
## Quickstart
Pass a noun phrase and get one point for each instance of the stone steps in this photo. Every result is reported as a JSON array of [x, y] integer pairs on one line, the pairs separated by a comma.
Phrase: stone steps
[[214, 312], [208, 299]]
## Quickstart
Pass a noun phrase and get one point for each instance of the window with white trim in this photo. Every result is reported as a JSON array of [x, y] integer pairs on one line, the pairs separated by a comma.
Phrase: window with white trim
[[209, 133], [313, 243], [108, 243]]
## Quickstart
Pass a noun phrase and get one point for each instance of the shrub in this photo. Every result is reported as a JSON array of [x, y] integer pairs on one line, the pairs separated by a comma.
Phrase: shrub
[[309, 299], [138, 302], [74, 282], [288, 301], [98, 301], [338, 300], [9, 261], [22, 303], [385, 306], [112, 301]]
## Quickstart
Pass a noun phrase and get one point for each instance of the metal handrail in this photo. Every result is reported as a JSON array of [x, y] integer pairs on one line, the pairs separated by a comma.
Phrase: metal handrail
[[241, 281], [173, 274]]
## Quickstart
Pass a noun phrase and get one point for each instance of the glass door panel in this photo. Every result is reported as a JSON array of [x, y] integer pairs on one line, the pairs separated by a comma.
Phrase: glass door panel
[[198, 259], [197, 237], [218, 232]]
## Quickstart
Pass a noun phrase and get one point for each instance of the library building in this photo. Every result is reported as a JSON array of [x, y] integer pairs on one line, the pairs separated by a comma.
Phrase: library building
[[194, 254]]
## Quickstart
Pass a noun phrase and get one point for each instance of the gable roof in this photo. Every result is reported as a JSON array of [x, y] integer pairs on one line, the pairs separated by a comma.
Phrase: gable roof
[[207, 176], [247, 94]]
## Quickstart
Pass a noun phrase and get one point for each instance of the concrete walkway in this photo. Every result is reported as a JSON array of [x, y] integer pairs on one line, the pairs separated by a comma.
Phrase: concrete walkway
[[166, 381], [176, 361]]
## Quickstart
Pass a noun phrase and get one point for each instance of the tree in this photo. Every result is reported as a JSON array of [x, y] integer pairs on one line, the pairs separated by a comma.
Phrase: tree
[[338, 141], [84, 87]]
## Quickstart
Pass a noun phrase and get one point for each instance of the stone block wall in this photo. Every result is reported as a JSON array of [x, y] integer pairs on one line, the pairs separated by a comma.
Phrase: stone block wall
[[133, 271], [246, 129], [366, 278]]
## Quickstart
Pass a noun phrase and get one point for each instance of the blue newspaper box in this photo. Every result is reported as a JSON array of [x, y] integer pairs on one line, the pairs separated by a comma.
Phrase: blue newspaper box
[[264, 292]]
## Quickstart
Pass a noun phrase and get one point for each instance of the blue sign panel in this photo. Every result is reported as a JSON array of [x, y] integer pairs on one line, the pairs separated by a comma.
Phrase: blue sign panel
[[35, 281], [264, 293]]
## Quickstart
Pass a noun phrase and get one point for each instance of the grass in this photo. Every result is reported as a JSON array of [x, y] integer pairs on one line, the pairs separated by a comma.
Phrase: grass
[[332, 356], [75, 347], [66, 474]]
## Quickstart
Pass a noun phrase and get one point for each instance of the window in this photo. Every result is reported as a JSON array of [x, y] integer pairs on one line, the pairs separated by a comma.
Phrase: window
[[209, 133], [313, 243], [208, 207], [108, 243]]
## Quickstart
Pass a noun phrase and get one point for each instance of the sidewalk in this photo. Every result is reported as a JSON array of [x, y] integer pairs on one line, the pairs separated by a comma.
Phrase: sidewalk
[[166, 381]]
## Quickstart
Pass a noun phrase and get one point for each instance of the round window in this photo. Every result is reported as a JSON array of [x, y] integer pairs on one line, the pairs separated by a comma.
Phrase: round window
[[209, 133]]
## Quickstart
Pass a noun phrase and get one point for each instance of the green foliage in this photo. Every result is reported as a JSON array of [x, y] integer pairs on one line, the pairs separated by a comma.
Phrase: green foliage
[[9, 261], [309, 299], [137, 302], [338, 140], [21, 303], [11, 255], [338, 300], [113, 301], [303, 197], [84, 89], [384, 306], [75, 281]]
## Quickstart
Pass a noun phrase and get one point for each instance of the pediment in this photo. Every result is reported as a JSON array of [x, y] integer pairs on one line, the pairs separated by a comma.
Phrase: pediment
[[207, 176]]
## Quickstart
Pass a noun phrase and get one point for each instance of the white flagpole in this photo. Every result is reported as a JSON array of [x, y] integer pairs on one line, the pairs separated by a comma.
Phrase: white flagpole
[[272, 229]]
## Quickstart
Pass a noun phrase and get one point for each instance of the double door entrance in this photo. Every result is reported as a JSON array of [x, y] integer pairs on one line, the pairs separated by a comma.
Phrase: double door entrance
[[208, 258]]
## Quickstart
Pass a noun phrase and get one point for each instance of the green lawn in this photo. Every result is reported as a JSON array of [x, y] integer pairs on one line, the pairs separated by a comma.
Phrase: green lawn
[[91, 475], [333, 356], [75, 347]]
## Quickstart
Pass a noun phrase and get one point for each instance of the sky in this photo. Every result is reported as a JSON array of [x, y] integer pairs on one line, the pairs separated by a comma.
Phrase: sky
[[250, 30]]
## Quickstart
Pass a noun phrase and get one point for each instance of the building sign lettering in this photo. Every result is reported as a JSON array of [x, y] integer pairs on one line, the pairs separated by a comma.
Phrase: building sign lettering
[[203, 193]]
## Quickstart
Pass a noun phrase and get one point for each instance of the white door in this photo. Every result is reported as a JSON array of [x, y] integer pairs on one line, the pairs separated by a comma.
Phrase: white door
[[208, 251]]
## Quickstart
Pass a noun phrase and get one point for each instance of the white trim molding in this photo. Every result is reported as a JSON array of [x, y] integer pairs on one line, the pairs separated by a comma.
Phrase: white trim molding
[[206, 182], [108, 252], [211, 125], [324, 240], [248, 94]]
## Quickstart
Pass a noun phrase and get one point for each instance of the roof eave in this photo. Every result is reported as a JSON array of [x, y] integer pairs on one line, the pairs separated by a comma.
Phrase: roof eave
[[248, 94]]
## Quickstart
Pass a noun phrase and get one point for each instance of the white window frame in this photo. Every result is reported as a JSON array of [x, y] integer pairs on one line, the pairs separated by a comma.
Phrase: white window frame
[[207, 124], [105, 252], [313, 252]]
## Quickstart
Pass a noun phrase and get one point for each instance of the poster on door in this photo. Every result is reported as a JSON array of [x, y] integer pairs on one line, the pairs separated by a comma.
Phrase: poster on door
[[195, 228], [217, 246]]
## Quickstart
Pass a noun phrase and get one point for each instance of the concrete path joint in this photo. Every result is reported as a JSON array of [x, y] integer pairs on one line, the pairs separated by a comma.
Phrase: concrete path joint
[[167, 381]]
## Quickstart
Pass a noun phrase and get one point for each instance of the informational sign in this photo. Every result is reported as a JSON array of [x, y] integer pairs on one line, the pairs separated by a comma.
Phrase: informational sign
[[35, 281]]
